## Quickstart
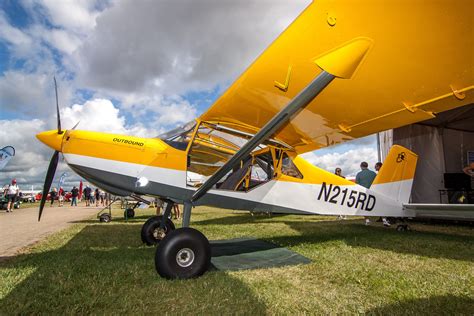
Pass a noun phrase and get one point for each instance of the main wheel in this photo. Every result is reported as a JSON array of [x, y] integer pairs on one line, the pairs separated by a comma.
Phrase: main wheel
[[129, 213], [105, 218], [183, 254], [402, 228], [152, 234]]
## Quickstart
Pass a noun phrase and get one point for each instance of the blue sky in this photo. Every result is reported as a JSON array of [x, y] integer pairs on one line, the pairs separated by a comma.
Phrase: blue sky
[[134, 63]]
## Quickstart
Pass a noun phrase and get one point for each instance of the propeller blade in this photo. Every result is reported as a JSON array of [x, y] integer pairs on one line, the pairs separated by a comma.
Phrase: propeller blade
[[48, 180], [57, 106]]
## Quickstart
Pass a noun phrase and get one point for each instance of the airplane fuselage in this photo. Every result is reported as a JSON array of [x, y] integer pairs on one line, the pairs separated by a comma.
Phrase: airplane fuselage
[[119, 164]]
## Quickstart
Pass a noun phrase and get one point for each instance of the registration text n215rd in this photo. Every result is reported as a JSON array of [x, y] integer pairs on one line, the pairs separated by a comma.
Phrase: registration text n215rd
[[334, 194]]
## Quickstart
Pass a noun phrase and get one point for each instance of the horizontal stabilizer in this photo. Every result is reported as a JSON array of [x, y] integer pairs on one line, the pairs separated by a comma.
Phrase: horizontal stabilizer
[[464, 212]]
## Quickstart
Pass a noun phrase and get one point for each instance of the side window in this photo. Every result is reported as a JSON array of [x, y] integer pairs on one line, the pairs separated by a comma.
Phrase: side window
[[288, 168]]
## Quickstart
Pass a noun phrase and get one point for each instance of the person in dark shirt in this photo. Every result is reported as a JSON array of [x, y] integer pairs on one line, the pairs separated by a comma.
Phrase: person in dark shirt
[[53, 194], [74, 195], [87, 195], [365, 177]]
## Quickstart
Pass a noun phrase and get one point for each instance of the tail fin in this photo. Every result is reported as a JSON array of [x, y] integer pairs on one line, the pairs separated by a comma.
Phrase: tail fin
[[395, 178]]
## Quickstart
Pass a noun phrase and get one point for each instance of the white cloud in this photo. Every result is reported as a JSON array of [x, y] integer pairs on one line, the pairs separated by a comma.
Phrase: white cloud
[[12, 34], [95, 115], [31, 94], [31, 160], [66, 42], [167, 47], [76, 15], [348, 161]]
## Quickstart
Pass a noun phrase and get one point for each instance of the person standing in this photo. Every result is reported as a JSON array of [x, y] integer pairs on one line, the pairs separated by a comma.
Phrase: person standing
[[87, 195], [176, 211], [338, 172], [53, 194], [12, 193], [97, 196], [159, 206], [102, 198], [377, 167], [74, 195], [365, 177], [61, 195]]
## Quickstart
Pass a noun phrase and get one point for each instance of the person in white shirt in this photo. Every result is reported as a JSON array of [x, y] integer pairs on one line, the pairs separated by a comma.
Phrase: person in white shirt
[[12, 193]]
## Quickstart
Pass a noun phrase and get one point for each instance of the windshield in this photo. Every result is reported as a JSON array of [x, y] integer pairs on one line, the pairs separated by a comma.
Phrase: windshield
[[179, 133]]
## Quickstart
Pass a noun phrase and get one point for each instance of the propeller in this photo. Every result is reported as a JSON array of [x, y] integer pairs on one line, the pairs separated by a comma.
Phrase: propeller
[[48, 180], [53, 164], [57, 106]]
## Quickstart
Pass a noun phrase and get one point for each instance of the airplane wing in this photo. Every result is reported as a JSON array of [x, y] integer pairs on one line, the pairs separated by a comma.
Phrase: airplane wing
[[420, 62]]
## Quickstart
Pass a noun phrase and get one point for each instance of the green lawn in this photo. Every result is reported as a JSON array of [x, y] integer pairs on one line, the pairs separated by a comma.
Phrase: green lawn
[[103, 268]]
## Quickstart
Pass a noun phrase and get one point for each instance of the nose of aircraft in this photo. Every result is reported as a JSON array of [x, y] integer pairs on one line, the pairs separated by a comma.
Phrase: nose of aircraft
[[51, 138]]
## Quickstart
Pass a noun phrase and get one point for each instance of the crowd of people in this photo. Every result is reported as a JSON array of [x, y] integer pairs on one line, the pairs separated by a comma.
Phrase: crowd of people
[[91, 196]]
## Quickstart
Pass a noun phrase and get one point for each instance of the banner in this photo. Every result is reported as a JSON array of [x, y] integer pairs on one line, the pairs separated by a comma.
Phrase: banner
[[61, 179], [6, 153], [80, 191]]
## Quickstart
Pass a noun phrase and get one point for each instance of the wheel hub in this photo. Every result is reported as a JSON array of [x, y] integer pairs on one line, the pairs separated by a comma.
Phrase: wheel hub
[[185, 257], [159, 233]]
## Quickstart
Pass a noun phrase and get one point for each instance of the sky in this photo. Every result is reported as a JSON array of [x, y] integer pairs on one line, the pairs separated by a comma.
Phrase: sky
[[130, 67]]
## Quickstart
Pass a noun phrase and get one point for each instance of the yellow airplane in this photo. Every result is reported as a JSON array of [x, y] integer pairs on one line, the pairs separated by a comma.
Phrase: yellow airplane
[[340, 71]]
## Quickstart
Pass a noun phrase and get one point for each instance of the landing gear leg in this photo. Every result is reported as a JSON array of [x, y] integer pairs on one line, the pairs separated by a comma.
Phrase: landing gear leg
[[187, 214]]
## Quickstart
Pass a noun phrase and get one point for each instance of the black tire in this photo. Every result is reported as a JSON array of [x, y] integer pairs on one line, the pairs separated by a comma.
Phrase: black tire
[[402, 228], [150, 234], [105, 218], [183, 254], [129, 213]]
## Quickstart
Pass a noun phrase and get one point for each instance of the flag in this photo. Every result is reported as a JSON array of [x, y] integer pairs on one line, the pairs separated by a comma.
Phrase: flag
[[6, 153], [80, 190], [61, 179]]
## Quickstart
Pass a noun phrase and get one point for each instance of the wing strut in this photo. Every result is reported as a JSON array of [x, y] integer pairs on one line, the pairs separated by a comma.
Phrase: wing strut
[[279, 120]]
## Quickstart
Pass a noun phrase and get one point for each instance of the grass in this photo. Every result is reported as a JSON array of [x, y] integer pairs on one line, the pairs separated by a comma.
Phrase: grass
[[104, 269]]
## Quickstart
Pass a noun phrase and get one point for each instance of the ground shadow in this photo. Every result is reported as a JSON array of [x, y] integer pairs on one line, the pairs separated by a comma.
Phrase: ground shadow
[[106, 269], [445, 305], [355, 233]]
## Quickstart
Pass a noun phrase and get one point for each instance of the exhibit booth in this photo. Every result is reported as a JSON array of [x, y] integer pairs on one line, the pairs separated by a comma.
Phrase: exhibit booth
[[444, 145]]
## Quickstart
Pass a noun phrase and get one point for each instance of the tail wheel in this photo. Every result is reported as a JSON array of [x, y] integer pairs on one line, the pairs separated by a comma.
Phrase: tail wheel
[[129, 213], [183, 254], [152, 233], [105, 218]]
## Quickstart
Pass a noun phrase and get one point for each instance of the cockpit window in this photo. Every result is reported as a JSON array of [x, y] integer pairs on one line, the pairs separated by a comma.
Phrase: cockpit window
[[178, 133], [288, 168], [178, 138]]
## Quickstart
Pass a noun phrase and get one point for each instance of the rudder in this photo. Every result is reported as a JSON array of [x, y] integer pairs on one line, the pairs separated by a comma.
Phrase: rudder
[[395, 178]]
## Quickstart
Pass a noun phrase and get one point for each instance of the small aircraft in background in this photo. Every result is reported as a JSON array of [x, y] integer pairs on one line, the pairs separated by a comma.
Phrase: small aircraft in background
[[338, 72]]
